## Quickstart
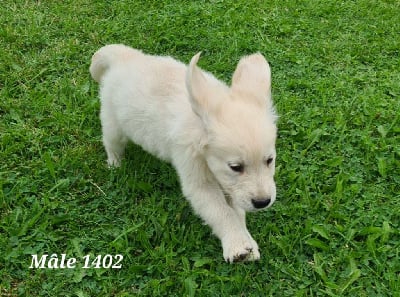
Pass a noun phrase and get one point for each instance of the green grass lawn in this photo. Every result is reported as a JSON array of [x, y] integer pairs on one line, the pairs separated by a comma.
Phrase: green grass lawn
[[334, 230]]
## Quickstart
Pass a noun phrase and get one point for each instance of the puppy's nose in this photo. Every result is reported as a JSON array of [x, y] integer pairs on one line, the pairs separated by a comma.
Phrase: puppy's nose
[[261, 203]]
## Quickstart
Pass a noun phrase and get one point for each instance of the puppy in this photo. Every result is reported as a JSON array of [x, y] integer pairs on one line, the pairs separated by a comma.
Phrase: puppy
[[220, 139]]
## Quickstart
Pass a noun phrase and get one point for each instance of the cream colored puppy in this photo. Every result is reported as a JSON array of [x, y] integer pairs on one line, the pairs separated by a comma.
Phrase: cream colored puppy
[[220, 139]]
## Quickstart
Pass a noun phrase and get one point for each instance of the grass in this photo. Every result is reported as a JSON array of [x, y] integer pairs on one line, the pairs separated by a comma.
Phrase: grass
[[334, 230]]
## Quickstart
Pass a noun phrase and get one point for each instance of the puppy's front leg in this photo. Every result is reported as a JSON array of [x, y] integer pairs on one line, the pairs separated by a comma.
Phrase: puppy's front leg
[[242, 217], [227, 224]]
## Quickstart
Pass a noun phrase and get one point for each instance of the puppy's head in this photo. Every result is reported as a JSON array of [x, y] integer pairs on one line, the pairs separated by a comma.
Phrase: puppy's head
[[240, 130]]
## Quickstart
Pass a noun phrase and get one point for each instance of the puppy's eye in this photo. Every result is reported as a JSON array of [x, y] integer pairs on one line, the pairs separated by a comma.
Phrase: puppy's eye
[[237, 167], [269, 161]]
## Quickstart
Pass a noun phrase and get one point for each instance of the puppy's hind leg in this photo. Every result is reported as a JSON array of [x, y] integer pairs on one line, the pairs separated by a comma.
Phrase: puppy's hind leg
[[114, 140]]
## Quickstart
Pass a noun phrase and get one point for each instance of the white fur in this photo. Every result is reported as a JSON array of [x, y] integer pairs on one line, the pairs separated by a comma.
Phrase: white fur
[[202, 126]]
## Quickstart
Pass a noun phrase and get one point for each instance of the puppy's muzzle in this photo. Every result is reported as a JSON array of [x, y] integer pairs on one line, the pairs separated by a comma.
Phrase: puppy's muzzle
[[261, 203]]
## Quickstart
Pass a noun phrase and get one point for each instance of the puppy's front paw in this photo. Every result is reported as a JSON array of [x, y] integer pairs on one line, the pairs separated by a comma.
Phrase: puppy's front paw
[[113, 161], [113, 164], [237, 249]]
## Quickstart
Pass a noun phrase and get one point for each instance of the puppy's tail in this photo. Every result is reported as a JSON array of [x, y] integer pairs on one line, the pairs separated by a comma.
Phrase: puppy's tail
[[108, 55]]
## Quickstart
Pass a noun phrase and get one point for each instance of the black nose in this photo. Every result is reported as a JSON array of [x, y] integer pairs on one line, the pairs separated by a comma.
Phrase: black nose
[[261, 203]]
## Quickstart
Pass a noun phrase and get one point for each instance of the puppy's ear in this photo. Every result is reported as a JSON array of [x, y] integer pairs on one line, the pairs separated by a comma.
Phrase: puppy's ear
[[204, 90], [253, 76], [197, 85]]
